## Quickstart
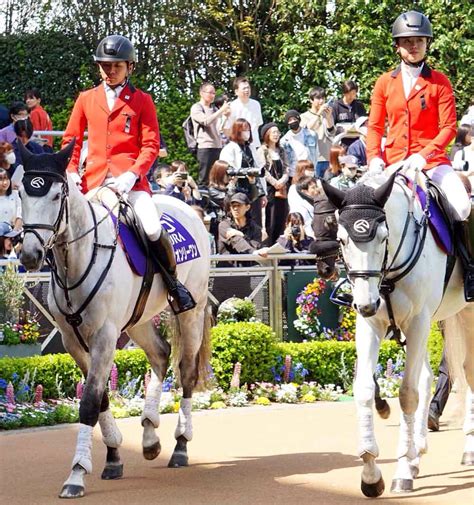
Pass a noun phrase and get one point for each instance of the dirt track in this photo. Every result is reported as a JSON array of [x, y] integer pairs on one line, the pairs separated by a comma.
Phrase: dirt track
[[301, 454]]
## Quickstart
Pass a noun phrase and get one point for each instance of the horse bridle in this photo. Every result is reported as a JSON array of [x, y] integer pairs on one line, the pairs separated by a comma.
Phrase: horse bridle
[[63, 208]]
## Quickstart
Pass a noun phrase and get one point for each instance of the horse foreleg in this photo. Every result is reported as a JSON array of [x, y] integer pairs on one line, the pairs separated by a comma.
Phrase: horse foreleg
[[158, 351], [416, 335], [101, 359], [367, 344]]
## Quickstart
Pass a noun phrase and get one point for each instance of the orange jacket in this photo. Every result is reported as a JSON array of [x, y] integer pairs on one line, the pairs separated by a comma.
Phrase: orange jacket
[[121, 140], [425, 123]]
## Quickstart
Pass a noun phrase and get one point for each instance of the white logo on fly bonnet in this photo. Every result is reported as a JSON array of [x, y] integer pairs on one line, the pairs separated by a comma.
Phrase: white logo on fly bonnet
[[361, 226], [37, 182]]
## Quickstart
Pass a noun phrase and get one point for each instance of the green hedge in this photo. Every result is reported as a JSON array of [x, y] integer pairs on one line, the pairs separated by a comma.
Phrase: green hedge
[[250, 343]]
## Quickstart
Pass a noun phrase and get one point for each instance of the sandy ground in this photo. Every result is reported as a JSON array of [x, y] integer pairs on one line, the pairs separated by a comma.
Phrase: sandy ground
[[301, 454]]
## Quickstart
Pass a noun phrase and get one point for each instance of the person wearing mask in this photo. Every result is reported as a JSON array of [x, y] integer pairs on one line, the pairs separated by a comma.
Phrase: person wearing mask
[[358, 148], [241, 155], [348, 108], [419, 103], [7, 155], [319, 119], [18, 110], [275, 164], [205, 117], [39, 117], [244, 107], [123, 144], [300, 143], [24, 131]]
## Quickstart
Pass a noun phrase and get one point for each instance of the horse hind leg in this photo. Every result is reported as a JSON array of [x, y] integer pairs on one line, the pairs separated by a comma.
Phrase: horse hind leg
[[193, 330], [158, 351]]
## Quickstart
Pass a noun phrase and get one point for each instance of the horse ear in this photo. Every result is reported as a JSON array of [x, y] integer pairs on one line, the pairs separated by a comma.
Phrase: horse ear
[[383, 192], [335, 196], [65, 154], [26, 155]]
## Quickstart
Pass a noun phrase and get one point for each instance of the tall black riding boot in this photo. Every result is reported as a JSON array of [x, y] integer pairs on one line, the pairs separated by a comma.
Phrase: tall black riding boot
[[465, 233], [180, 299]]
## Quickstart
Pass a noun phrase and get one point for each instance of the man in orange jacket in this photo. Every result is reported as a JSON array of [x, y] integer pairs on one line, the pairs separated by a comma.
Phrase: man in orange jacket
[[123, 143], [421, 111]]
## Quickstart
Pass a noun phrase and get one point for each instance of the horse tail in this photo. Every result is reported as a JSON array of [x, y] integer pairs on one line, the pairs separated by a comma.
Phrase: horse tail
[[457, 329], [203, 376]]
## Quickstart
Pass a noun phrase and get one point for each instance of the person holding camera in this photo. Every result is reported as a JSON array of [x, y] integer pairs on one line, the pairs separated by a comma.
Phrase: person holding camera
[[294, 238], [275, 164], [320, 120], [181, 185], [241, 156], [205, 116]]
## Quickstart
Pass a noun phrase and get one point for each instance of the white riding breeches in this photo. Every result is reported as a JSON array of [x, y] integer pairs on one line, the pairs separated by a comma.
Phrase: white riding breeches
[[147, 213], [451, 184]]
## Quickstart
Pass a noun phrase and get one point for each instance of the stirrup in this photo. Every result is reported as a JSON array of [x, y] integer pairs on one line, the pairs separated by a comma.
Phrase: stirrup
[[180, 299], [469, 284]]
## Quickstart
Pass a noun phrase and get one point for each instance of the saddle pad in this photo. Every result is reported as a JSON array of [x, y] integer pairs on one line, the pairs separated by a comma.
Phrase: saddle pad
[[438, 225], [184, 246]]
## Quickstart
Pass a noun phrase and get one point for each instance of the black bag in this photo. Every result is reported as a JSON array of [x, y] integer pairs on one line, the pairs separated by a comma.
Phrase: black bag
[[189, 136]]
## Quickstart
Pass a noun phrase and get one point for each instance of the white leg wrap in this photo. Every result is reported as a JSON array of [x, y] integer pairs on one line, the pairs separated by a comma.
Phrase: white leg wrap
[[151, 410], [83, 448], [111, 435], [185, 425], [367, 442], [406, 445]]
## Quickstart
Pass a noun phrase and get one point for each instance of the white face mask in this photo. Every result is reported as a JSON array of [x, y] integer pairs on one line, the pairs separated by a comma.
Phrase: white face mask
[[10, 157], [245, 136]]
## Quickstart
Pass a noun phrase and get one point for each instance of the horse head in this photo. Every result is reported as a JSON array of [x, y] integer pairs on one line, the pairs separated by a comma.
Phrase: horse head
[[43, 194], [363, 234]]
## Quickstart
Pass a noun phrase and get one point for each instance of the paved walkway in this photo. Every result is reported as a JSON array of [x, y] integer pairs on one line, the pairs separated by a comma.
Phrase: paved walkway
[[289, 455]]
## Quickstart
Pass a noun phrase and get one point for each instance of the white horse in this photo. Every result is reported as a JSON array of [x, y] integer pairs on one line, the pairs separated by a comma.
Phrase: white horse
[[92, 296], [397, 274]]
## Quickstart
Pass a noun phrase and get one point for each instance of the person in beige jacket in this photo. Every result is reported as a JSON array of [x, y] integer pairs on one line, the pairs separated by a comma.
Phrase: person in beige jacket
[[319, 119]]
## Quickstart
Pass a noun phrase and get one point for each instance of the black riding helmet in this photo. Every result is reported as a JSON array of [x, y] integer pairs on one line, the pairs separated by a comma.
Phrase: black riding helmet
[[115, 48], [412, 24]]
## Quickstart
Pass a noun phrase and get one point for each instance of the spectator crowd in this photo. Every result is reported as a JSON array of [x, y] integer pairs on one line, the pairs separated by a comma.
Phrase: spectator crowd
[[256, 185]]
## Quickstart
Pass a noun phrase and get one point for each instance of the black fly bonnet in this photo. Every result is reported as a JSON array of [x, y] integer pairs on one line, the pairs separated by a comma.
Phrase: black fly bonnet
[[361, 213]]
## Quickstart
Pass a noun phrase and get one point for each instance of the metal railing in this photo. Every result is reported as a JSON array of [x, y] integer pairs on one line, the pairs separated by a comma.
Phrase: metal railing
[[266, 274]]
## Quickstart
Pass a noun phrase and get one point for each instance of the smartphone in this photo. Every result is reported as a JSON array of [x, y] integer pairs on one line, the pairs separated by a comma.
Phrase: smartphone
[[182, 175]]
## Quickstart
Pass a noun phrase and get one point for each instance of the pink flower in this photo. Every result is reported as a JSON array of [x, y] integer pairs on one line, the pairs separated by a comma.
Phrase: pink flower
[[79, 389], [114, 378], [39, 393], [10, 394]]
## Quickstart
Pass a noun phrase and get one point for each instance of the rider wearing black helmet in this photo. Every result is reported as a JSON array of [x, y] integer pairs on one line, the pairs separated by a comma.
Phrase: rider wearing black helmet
[[419, 105], [123, 144]]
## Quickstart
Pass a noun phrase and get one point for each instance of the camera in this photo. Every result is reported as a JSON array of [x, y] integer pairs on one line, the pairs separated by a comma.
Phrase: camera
[[182, 176], [244, 172], [296, 232]]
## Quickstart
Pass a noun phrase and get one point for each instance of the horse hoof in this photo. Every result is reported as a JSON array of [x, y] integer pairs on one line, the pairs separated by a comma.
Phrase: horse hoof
[[383, 409], [468, 458], [373, 490], [402, 486], [414, 470], [112, 472], [152, 451], [71, 491], [178, 459]]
